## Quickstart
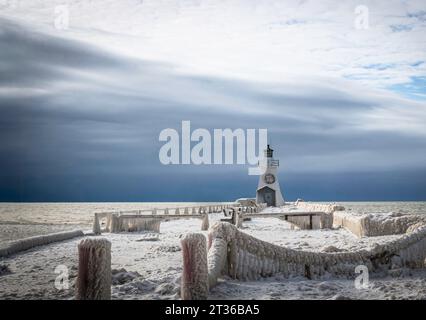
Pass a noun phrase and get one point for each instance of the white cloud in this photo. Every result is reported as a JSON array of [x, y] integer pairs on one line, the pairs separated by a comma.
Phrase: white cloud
[[256, 40]]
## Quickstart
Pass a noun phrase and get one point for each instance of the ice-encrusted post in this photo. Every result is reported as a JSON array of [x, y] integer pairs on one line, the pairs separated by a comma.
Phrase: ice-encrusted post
[[96, 225], [234, 217], [239, 219], [114, 223], [205, 222], [94, 269], [195, 285], [177, 211], [166, 211]]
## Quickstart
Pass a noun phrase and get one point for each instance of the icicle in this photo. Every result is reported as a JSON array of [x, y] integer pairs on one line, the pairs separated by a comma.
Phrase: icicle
[[216, 260], [233, 260], [114, 223], [240, 265]]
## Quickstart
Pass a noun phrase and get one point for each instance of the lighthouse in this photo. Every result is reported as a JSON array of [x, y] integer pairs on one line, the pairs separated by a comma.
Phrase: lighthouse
[[268, 188]]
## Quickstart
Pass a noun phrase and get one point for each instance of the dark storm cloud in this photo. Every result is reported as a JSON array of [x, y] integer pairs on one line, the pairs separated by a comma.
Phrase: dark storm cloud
[[29, 57], [79, 123]]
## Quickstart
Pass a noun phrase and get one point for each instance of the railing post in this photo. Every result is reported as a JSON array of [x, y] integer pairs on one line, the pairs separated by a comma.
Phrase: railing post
[[96, 225], [205, 222], [195, 270], [239, 219], [94, 269], [114, 223]]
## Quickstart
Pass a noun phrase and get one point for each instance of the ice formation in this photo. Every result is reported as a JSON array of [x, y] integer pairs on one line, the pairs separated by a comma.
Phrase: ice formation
[[117, 222], [135, 223], [96, 225], [377, 224], [195, 272], [94, 269], [244, 257], [322, 221], [205, 222], [122, 222], [31, 242]]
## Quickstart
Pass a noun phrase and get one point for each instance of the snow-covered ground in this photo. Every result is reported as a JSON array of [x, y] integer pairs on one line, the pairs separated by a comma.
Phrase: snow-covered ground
[[148, 266], [20, 220]]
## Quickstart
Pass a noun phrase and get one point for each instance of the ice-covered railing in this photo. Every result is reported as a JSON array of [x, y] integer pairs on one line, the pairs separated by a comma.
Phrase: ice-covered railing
[[35, 241], [133, 223], [303, 215], [377, 224], [323, 207], [243, 257], [300, 219], [360, 224], [169, 210], [306, 216], [150, 219], [321, 221]]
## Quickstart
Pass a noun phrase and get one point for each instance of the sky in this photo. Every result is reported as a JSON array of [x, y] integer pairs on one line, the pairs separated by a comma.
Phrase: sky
[[86, 87]]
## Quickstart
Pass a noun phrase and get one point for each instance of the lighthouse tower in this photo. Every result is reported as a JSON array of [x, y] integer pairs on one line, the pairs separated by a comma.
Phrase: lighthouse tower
[[268, 188]]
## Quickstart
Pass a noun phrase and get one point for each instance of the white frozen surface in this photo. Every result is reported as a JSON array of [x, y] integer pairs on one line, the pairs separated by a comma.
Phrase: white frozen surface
[[20, 220], [148, 266]]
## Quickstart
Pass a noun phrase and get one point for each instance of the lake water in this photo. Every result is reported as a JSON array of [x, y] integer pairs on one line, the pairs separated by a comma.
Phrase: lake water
[[19, 220]]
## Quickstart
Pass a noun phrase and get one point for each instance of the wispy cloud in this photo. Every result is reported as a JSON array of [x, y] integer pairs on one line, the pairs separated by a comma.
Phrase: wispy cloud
[[254, 40], [90, 102]]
